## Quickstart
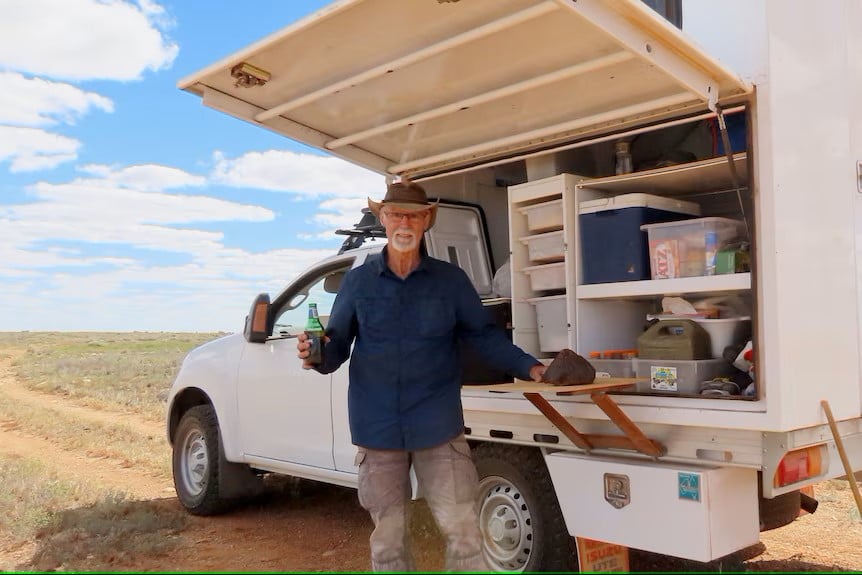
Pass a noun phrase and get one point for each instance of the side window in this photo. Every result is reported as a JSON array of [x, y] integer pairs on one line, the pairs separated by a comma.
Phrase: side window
[[291, 318], [670, 9]]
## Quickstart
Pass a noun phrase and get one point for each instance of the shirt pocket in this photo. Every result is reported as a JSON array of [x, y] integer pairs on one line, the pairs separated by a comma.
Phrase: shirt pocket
[[375, 314], [436, 317]]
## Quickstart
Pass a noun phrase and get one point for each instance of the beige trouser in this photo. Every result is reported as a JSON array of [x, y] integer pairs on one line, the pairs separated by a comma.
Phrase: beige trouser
[[449, 483]]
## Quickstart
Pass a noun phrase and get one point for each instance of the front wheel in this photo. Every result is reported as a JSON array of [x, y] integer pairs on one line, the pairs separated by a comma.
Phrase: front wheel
[[196, 462], [519, 515]]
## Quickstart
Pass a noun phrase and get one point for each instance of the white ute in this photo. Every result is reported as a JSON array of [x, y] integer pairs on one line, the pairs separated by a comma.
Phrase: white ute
[[510, 111]]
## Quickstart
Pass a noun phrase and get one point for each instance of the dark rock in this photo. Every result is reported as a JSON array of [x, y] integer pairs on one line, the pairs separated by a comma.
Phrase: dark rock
[[569, 368]]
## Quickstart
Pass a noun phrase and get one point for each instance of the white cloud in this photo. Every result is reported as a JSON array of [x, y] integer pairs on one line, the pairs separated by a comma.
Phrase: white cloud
[[308, 176], [212, 293], [127, 206], [84, 39], [99, 213], [38, 102], [144, 177], [30, 149], [345, 186]]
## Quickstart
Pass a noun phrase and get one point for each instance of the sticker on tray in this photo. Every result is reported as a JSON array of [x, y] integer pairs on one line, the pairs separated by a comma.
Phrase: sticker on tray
[[663, 378], [689, 485]]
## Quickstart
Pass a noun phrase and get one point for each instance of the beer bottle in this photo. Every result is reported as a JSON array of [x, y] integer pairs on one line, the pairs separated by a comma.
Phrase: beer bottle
[[314, 331]]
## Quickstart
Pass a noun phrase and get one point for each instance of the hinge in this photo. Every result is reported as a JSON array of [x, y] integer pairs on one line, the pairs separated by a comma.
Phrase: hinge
[[859, 176]]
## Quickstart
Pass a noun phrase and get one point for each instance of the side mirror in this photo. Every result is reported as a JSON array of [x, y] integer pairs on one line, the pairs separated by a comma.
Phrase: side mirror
[[257, 321]]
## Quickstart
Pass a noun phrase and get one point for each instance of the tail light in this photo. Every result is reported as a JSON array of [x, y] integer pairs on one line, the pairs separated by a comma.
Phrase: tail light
[[799, 465]]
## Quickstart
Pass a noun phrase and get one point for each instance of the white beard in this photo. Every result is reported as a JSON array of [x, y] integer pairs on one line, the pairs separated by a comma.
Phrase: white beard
[[404, 241]]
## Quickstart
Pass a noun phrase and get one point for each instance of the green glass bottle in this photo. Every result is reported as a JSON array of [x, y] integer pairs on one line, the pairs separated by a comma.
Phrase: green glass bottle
[[314, 331]]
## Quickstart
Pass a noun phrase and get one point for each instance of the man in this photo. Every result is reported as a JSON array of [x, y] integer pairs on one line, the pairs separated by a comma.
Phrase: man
[[407, 313]]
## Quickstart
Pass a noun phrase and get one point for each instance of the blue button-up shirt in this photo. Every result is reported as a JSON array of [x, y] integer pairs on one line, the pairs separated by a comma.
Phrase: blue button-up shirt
[[405, 389]]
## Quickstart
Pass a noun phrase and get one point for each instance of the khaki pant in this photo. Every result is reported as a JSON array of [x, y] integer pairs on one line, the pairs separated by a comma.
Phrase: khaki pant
[[449, 483]]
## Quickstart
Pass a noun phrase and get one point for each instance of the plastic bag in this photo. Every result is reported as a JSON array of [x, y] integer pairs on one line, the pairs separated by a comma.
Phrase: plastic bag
[[502, 283]]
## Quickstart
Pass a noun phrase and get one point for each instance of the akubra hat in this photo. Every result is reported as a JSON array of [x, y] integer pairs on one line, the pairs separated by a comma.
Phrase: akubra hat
[[408, 196]]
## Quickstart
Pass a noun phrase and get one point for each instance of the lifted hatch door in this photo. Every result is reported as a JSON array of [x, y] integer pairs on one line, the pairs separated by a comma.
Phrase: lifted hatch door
[[421, 87]]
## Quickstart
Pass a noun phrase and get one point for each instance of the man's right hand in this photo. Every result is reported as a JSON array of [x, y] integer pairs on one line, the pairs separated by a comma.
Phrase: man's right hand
[[302, 347]]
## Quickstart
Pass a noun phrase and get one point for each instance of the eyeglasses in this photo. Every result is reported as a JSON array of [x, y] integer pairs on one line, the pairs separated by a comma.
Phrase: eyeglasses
[[411, 217]]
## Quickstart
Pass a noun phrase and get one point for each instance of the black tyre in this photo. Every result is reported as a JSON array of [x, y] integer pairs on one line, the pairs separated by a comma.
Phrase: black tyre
[[779, 511], [518, 511], [196, 456]]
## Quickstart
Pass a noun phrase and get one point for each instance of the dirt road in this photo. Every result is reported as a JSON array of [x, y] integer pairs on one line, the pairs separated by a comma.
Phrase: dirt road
[[307, 526]]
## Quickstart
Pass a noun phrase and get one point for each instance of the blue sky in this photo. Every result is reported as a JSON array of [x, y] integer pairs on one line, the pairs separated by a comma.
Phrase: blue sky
[[127, 205]]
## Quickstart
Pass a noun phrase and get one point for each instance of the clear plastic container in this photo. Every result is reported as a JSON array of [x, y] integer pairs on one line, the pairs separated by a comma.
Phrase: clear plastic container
[[623, 153], [613, 367], [678, 376], [679, 249]]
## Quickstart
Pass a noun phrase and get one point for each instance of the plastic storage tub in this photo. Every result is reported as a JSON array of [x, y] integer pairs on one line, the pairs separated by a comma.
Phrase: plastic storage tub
[[545, 247], [547, 277], [723, 332], [678, 376], [551, 320], [614, 367], [613, 246], [688, 248], [544, 217]]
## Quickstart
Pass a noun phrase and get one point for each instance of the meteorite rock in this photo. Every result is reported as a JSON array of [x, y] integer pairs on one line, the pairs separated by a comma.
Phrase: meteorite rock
[[569, 368]]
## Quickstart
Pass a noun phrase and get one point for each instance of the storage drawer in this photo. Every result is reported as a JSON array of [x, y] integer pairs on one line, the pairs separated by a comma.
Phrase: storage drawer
[[544, 248], [544, 217], [547, 277]]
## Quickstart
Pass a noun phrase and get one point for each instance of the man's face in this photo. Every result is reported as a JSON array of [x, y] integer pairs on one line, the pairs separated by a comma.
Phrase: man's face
[[404, 228]]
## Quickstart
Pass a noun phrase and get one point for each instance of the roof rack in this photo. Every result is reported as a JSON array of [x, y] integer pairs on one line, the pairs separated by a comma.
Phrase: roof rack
[[368, 227]]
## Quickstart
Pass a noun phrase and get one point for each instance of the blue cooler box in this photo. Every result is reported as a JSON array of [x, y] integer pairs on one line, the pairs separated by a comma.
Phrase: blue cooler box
[[613, 247]]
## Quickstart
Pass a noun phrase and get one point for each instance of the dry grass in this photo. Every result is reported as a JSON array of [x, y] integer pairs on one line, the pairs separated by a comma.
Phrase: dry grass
[[110, 534], [31, 495], [116, 441], [76, 525], [124, 371], [79, 526]]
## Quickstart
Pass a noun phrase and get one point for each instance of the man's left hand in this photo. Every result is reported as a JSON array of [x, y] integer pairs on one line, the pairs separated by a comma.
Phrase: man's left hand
[[537, 371]]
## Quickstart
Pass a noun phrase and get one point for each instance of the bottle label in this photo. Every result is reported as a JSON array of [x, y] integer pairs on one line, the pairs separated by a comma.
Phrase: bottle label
[[315, 352]]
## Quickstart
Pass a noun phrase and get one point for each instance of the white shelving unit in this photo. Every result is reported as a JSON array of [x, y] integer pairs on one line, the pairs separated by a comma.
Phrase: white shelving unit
[[608, 315], [540, 208]]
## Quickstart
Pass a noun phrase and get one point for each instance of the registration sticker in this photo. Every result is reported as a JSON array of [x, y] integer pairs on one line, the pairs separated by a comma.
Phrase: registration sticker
[[689, 485], [663, 378]]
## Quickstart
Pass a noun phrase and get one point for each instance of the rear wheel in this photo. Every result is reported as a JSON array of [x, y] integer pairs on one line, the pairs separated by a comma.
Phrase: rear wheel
[[520, 517]]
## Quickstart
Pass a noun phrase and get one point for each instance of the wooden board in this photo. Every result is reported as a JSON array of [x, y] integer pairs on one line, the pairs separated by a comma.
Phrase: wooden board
[[601, 384]]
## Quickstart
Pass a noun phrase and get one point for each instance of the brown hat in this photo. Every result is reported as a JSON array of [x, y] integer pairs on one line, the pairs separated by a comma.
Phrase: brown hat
[[405, 195]]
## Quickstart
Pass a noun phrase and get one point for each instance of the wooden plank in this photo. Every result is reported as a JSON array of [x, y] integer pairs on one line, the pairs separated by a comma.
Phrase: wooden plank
[[600, 384], [559, 421], [641, 442]]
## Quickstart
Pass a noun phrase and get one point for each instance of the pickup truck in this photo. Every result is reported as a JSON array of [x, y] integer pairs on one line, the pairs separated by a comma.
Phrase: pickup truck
[[519, 115]]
